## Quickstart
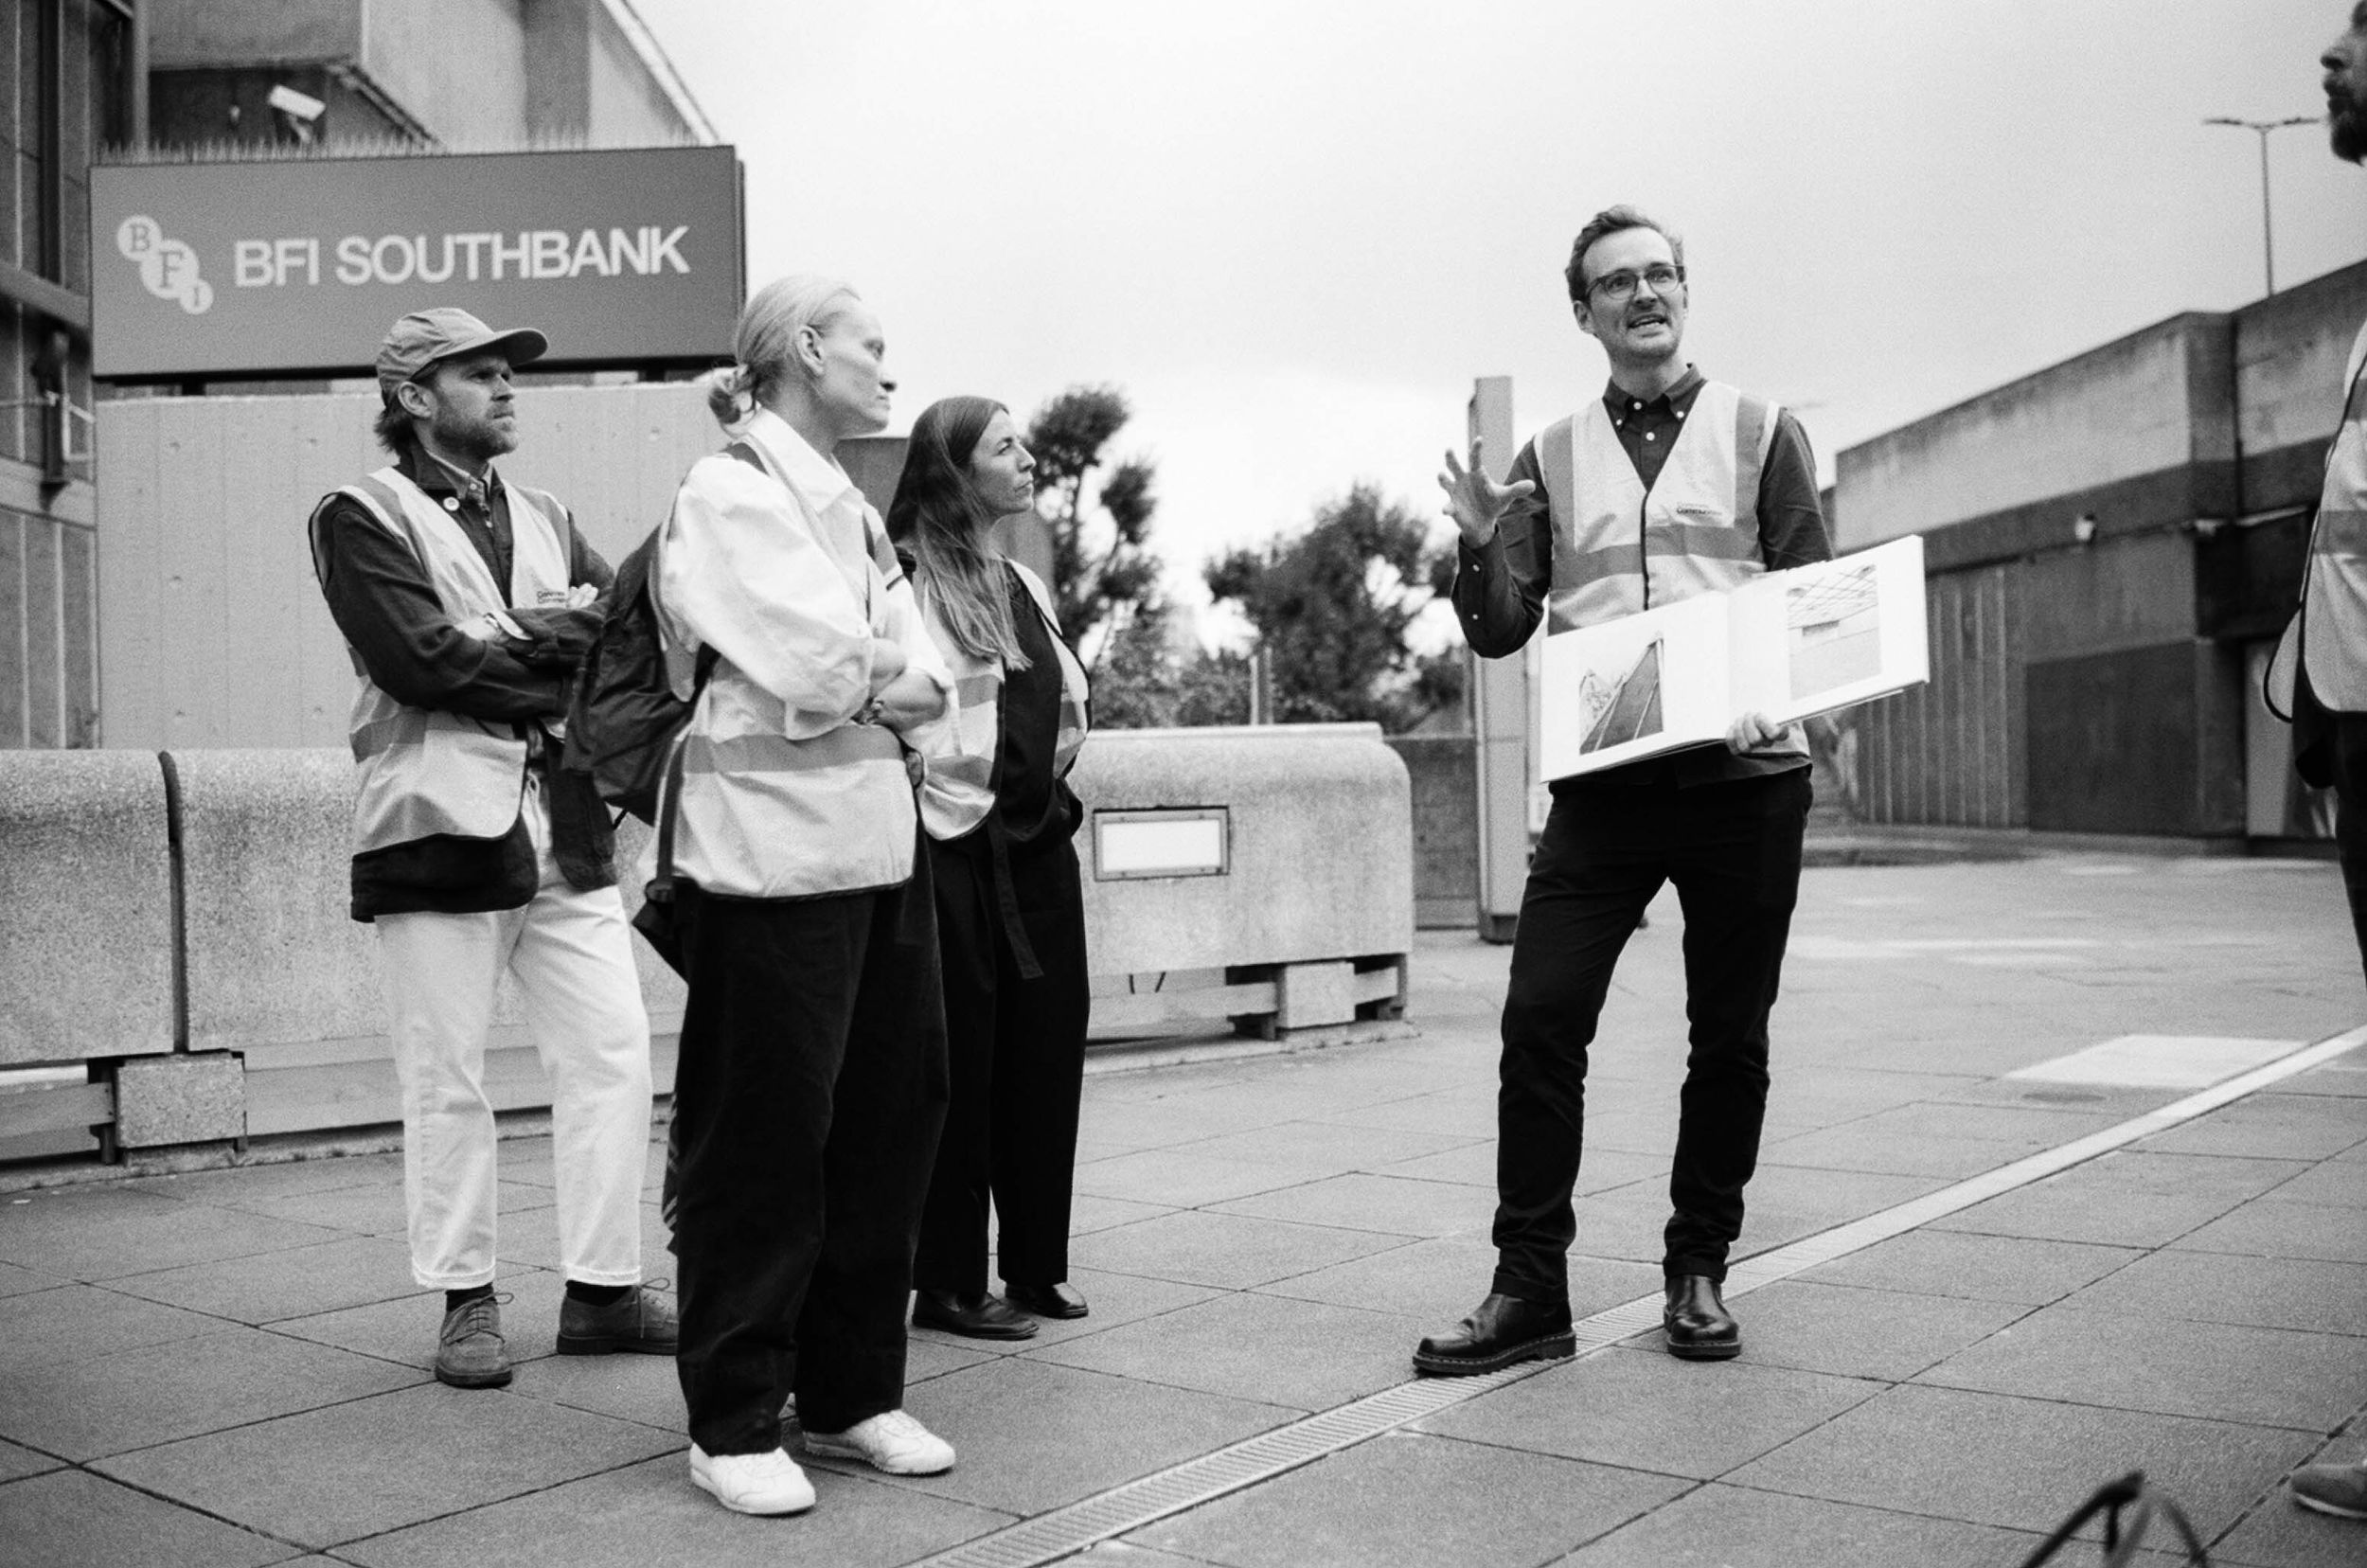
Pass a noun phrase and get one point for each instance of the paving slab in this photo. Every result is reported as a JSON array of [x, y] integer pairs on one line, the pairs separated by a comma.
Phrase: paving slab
[[2342, 1181], [1088, 1213], [1723, 1526], [239, 1185], [1307, 1355], [82, 1236], [1032, 1435], [16, 1281], [1858, 1333], [2021, 1463], [298, 1282], [2127, 1198], [1173, 1179], [72, 1519], [2270, 1126], [1362, 1201], [1452, 1112], [369, 1466], [136, 1398], [1980, 1268], [626, 1386], [2272, 1377], [1645, 1409], [16, 1462], [650, 1513], [1113, 1299], [2271, 1228], [72, 1322], [2268, 1293], [1227, 1251], [1411, 1498]]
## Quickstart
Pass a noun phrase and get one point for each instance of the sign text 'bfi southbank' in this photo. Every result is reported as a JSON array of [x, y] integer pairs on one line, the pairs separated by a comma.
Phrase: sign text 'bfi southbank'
[[295, 267]]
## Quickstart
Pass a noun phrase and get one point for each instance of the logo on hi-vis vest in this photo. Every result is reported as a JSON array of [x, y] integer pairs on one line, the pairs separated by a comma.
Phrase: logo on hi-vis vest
[[168, 267]]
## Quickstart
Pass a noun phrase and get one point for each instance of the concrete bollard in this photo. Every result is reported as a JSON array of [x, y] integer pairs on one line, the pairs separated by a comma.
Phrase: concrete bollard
[[1287, 881], [85, 907]]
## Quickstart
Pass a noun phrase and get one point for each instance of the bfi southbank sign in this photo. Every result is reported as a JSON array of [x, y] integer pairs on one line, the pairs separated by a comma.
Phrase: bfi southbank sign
[[298, 267]]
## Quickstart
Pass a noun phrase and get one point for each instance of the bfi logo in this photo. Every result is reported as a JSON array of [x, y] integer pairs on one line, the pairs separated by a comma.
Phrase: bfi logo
[[167, 268], [397, 258]]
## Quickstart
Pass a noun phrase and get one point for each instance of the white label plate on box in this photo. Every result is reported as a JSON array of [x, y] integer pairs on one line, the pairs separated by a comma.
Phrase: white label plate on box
[[1183, 842]]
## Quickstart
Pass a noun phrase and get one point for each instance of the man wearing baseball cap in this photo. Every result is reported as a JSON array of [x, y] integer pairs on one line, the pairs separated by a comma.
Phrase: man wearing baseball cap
[[466, 602]]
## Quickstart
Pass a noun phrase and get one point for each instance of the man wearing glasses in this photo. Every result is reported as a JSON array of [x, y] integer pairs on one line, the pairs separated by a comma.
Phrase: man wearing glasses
[[1669, 485]]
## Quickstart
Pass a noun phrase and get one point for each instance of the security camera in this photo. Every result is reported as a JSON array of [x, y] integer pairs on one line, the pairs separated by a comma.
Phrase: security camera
[[295, 105]]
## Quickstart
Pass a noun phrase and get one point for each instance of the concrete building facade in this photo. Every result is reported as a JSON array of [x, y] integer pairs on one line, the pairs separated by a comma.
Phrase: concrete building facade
[[2113, 544], [84, 81]]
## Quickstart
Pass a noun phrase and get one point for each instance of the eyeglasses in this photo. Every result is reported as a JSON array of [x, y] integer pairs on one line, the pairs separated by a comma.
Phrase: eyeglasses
[[1619, 287]]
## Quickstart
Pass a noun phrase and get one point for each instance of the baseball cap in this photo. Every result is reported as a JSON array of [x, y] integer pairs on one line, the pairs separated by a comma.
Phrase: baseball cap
[[421, 338]]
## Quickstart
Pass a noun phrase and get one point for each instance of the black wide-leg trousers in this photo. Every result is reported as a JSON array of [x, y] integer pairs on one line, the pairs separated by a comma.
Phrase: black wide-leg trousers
[[1733, 849], [808, 1095], [1017, 1049]]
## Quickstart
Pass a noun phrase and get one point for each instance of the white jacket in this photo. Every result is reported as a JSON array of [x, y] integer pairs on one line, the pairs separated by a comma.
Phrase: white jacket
[[785, 573]]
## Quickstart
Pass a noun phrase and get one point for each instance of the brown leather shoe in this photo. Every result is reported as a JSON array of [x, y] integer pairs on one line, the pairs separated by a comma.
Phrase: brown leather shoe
[[640, 1320], [982, 1316], [1500, 1331], [1699, 1328], [470, 1352]]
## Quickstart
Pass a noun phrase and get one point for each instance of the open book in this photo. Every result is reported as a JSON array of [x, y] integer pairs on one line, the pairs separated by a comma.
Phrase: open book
[[1788, 645]]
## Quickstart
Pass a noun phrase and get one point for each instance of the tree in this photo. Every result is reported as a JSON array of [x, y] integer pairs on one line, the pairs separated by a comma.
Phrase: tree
[[1332, 606], [1098, 588]]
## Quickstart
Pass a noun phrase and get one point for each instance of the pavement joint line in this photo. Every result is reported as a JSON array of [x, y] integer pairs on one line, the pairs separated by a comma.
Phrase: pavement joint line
[[1131, 1504]]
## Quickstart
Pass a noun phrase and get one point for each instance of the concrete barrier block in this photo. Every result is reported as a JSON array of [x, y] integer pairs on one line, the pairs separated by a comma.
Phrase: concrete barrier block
[[274, 957], [85, 906], [1309, 996], [179, 1099], [1319, 862]]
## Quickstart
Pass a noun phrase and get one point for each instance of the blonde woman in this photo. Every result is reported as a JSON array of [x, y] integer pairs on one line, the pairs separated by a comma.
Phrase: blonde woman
[[1010, 920], [811, 1082]]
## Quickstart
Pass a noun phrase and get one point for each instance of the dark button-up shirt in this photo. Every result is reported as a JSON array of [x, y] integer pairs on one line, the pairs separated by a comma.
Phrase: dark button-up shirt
[[1500, 588]]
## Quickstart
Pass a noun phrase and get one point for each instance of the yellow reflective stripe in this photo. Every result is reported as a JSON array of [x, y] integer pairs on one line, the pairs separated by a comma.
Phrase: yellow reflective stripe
[[2341, 532], [1755, 433], [848, 746], [977, 690], [1702, 541]]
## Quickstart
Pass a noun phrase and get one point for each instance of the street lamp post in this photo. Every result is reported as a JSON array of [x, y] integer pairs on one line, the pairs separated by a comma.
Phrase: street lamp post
[[2262, 129]]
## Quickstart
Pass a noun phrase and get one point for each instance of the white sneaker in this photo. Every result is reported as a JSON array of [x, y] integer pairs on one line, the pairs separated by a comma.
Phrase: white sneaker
[[893, 1442], [752, 1482]]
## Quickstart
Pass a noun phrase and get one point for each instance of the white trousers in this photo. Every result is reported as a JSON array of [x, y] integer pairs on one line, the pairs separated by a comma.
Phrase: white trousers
[[572, 954]]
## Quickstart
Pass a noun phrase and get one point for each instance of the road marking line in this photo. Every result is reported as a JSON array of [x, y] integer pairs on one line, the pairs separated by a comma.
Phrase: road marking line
[[1148, 1499], [2159, 1061]]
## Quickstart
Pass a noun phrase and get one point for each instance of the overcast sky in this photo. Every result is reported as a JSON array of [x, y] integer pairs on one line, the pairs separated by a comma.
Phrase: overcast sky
[[1294, 232]]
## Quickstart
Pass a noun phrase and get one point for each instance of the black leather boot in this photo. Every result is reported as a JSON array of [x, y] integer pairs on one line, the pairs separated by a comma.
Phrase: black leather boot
[[1699, 1328], [1501, 1330]]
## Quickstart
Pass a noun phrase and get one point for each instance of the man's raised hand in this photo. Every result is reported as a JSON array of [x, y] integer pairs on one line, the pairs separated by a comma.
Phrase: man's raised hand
[[1474, 499]]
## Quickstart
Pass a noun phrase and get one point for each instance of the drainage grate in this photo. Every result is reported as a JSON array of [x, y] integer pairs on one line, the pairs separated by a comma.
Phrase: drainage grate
[[1066, 1531]]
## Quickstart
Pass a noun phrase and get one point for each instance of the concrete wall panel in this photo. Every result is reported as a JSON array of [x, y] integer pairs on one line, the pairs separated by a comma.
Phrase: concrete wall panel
[[410, 50], [185, 33], [2114, 414], [2131, 592], [85, 907], [1322, 847], [1443, 774], [2288, 353]]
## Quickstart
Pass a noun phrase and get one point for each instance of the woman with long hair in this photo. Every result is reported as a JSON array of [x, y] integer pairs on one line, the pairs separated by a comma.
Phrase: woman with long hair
[[1010, 918], [810, 1079]]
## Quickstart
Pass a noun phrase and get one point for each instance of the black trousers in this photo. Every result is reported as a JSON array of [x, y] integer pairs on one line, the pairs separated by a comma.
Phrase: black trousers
[[808, 1096], [1017, 1048], [1733, 848]]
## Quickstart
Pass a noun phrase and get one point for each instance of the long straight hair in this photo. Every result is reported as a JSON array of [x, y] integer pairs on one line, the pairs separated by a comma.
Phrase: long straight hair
[[938, 516]]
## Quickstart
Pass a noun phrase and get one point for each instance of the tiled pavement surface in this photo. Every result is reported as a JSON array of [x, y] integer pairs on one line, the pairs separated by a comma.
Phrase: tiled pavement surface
[[230, 1367]]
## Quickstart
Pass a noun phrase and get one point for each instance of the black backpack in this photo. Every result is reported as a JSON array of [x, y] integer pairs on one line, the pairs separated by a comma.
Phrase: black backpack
[[623, 716]]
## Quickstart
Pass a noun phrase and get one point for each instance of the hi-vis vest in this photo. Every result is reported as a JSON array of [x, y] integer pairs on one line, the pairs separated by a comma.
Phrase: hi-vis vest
[[764, 815], [2334, 593], [1618, 550], [959, 789], [424, 770]]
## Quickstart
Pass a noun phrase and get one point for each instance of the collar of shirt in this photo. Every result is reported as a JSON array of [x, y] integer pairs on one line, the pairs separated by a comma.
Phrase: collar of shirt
[[441, 479], [1671, 404], [819, 482]]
